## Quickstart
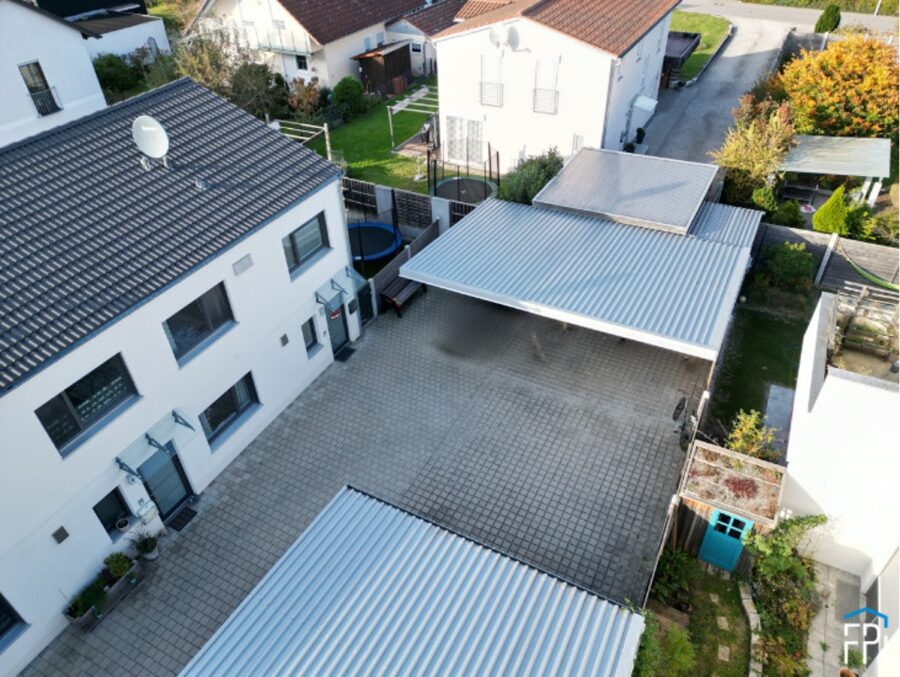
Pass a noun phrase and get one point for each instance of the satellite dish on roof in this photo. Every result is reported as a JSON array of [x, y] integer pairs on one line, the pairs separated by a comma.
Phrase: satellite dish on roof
[[512, 38], [494, 37], [150, 137]]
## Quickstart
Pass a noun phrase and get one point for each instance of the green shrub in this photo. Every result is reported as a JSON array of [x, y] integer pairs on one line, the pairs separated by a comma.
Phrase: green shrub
[[663, 651], [751, 436], [783, 584], [160, 71], [115, 74], [788, 266], [860, 223], [118, 565], [526, 180], [764, 198], [787, 214], [349, 92], [674, 576], [92, 596], [831, 217], [829, 20]]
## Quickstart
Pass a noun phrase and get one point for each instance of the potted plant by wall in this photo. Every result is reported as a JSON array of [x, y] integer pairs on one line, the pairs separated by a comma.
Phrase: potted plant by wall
[[122, 524], [146, 545], [117, 578], [639, 135]]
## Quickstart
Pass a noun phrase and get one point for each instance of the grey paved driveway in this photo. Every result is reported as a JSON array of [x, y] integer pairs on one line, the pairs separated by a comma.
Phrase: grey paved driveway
[[692, 121], [802, 18], [554, 445]]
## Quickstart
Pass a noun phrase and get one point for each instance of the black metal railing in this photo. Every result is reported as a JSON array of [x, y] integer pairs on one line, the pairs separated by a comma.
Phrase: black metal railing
[[44, 102]]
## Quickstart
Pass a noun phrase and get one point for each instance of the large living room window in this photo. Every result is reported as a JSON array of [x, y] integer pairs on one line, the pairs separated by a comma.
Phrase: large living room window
[[227, 409], [85, 402], [198, 320], [10, 622], [305, 242]]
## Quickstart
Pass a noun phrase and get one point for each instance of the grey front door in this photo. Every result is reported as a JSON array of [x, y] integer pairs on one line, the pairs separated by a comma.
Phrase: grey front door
[[165, 480], [337, 329]]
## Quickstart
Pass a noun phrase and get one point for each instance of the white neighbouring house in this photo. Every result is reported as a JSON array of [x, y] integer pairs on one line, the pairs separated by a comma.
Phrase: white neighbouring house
[[154, 320], [306, 40], [843, 456], [46, 74], [529, 75], [420, 27]]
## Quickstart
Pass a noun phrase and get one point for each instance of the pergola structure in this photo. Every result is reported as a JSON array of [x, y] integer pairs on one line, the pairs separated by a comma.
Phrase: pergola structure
[[842, 156], [421, 101]]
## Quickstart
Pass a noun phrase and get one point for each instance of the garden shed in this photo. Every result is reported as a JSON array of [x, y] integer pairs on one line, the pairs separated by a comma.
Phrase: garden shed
[[379, 67], [724, 496]]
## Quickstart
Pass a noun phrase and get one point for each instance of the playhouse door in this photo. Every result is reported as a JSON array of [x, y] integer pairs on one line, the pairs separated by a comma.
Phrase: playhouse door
[[724, 540]]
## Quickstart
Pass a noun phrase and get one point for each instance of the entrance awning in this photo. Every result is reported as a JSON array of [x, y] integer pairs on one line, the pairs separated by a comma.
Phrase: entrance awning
[[172, 428], [340, 289], [665, 289]]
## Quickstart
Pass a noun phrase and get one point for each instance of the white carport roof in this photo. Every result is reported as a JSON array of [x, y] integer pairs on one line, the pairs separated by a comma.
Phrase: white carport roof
[[665, 289], [839, 156]]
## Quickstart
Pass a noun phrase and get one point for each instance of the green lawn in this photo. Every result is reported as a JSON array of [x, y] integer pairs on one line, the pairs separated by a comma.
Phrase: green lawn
[[713, 30], [706, 635], [366, 145]]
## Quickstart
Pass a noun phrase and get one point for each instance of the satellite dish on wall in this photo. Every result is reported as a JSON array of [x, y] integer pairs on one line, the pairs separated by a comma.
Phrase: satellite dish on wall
[[494, 37], [512, 38], [150, 137]]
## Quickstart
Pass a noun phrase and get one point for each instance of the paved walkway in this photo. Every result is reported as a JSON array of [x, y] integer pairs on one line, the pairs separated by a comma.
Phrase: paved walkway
[[839, 594], [556, 445], [692, 121]]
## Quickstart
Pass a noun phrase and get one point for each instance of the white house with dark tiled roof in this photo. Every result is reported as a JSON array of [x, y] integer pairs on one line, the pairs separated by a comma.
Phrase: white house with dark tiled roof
[[46, 75], [527, 75], [154, 318], [307, 40]]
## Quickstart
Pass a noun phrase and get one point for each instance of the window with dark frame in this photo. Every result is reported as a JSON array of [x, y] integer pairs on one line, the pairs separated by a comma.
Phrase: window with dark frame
[[38, 88], [86, 401], [305, 242], [111, 509], [9, 619], [310, 338], [302, 63], [197, 320], [222, 413]]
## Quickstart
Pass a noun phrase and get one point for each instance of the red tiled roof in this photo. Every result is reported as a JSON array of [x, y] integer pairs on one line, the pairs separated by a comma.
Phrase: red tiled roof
[[473, 8], [611, 25], [435, 18], [329, 20]]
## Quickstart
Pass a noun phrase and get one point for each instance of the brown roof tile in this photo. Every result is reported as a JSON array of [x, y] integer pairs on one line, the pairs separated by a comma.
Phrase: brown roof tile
[[611, 25], [330, 20], [473, 8], [432, 20]]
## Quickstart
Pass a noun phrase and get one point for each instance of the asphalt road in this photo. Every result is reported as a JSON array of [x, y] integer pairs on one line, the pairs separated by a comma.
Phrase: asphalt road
[[692, 121], [802, 19]]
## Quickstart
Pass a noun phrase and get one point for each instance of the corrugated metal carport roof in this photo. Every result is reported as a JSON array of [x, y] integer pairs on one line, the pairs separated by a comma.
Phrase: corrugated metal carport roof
[[371, 589], [839, 156], [668, 290]]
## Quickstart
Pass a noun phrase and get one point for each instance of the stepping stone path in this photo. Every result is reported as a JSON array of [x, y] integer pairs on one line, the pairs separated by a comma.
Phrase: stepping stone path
[[714, 597], [722, 622], [724, 653]]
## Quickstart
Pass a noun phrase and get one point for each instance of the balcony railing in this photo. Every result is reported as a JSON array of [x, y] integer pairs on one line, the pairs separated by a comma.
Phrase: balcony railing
[[45, 102], [491, 94], [546, 101]]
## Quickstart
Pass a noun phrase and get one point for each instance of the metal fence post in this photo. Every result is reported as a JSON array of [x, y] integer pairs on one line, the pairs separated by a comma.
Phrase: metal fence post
[[374, 298], [327, 141]]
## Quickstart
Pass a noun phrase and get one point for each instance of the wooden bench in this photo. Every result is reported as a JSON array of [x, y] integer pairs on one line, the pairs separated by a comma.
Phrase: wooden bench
[[400, 291]]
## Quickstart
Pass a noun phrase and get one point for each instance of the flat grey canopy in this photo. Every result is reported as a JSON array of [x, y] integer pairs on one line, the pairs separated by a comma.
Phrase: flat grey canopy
[[839, 156]]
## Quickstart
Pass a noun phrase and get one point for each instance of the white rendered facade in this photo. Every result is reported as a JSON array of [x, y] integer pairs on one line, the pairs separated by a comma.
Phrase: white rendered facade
[[26, 37], [595, 91], [286, 45], [423, 53], [44, 490], [844, 462]]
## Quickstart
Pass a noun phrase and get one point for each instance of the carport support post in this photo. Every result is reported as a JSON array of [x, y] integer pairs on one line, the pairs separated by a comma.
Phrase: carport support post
[[873, 195], [327, 142]]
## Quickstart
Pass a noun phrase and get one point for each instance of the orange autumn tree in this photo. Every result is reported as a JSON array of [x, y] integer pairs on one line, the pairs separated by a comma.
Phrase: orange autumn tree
[[849, 89]]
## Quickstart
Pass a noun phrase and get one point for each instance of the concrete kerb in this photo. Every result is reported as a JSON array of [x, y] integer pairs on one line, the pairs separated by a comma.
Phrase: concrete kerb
[[756, 669], [725, 41]]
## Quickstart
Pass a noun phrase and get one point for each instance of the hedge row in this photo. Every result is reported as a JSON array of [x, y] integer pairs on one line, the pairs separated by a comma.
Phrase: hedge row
[[859, 6]]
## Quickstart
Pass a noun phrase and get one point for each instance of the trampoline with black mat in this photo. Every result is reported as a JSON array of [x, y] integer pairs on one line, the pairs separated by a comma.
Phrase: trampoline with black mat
[[374, 240]]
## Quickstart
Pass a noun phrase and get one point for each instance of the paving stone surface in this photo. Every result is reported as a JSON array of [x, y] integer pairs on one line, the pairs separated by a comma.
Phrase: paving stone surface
[[722, 622], [724, 653], [553, 444], [714, 597]]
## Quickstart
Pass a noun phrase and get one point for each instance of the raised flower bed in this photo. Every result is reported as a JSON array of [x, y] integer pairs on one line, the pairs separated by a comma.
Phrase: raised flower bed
[[120, 575]]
